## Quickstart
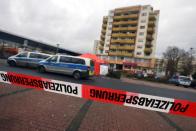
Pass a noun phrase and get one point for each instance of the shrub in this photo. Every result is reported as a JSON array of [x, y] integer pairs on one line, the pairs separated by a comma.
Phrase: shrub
[[194, 75], [193, 83]]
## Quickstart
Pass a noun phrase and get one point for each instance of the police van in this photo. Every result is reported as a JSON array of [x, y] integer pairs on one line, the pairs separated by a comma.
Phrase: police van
[[78, 67], [31, 59]]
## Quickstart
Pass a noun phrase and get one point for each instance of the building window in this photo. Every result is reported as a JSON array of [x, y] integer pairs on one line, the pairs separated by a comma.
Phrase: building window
[[142, 27], [139, 47], [143, 21], [141, 33], [110, 23], [112, 58], [122, 58], [145, 7], [139, 53], [144, 14], [140, 40]]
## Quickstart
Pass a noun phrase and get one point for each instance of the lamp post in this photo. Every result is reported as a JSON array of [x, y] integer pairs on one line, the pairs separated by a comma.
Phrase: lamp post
[[57, 48], [25, 44], [191, 52]]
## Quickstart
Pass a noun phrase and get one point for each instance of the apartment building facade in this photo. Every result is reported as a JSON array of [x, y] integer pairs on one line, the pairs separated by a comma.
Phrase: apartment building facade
[[128, 37]]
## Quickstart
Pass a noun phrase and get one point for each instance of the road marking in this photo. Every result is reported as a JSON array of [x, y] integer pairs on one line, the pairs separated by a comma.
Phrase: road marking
[[76, 122]]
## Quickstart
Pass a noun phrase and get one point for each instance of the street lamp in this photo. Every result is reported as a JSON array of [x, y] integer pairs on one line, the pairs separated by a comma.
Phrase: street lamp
[[191, 52], [25, 44], [57, 48]]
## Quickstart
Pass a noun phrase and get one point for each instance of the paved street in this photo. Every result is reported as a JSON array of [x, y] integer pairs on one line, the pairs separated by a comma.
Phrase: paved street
[[30, 109]]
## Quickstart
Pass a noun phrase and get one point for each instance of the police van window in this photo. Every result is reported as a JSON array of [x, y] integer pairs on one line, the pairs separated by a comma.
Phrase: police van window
[[65, 59], [52, 59], [22, 55], [33, 55], [78, 61], [41, 56]]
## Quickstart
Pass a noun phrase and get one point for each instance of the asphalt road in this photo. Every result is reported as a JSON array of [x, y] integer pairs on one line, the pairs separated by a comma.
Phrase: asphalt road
[[28, 109], [108, 83]]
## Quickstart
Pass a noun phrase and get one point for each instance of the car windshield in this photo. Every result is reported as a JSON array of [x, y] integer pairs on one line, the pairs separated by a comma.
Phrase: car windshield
[[184, 78]]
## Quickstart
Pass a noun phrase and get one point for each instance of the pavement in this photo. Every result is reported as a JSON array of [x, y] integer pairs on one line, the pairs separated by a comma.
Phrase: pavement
[[24, 109], [3, 61]]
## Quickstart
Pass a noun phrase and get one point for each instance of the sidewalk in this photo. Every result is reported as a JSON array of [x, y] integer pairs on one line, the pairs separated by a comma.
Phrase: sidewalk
[[157, 85], [3, 61]]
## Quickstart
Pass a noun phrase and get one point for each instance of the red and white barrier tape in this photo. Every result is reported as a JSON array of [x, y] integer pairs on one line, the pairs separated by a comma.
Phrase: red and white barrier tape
[[148, 102]]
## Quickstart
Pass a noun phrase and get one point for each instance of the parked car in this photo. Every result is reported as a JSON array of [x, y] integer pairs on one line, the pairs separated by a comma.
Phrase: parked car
[[27, 59], [78, 67], [180, 80], [193, 83]]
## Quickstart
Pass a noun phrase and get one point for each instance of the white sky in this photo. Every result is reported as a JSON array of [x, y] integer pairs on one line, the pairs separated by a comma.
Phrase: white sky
[[75, 24]]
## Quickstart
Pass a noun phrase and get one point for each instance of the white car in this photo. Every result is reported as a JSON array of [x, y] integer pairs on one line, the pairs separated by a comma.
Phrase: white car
[[180, 80]]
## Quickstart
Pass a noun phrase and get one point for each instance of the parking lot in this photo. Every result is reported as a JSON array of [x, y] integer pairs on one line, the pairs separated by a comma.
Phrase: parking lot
[[30, 109]]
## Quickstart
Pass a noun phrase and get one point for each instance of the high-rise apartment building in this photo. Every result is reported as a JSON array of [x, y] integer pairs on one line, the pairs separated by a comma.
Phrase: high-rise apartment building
[[128, 37]]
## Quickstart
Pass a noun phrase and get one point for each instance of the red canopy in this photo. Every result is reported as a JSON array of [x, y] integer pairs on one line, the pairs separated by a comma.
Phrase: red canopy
[[97, 61], [93, 57]]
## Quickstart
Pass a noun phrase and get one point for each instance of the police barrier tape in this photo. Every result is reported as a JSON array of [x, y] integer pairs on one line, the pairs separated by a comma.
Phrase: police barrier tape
[[149, 102]]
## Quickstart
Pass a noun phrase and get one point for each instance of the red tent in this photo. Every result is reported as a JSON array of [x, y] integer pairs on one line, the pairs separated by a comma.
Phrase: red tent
[[96, 60]]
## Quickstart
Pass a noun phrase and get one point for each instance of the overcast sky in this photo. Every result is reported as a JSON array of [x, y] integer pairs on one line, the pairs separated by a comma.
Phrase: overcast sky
[[75, 24]]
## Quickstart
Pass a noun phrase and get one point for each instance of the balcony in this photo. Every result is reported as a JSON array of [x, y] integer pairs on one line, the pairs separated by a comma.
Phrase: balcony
[[101, 47], [143, 64], [103, 31], [124, 28], [151, 24], [148, 44], [152, 17], [150, 30], [121, 10], [122, 47], [125, 16], [101, 42], [120, 54], [149, 37], [104, 26], [105, 19], [148, 51], [102, 37], [123, 41], [115, 61], [125, 22], [123, 35]]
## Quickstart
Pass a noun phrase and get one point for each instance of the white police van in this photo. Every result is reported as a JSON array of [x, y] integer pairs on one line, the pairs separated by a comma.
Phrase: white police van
[[31, 59], [78, 67]]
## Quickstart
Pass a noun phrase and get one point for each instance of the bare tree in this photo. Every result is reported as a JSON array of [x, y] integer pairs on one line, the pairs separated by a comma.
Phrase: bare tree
[[187, 62], [172, 55]]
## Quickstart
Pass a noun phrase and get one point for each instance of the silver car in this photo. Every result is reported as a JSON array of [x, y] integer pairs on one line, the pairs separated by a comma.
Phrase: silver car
[[27, 59], [180, 80]]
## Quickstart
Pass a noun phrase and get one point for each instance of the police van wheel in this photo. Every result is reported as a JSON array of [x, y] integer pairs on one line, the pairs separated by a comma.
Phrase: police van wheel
[[41, 69], [12, 63], [77, 75]]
